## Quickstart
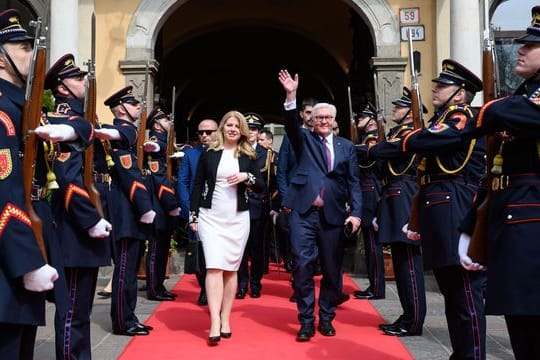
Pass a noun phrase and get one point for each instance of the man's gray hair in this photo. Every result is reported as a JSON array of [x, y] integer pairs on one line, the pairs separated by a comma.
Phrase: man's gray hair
[[324, 106]]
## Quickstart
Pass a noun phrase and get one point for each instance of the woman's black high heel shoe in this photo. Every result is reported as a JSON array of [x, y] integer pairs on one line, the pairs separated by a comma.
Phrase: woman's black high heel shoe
[[213, 340], [226, 335]]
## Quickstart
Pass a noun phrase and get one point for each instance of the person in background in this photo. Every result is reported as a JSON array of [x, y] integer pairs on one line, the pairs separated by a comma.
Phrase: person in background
[[219, 211], [207, 132]]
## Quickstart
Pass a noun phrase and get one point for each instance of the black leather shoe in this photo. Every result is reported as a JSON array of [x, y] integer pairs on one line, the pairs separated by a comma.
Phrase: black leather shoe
[[255, 293], [213, 340], [105, 294], [401, 332], [395, 324], [241, 293], [225, 335], [202, 300], [145, 327], [306, 332], [342, 298], [133, 331], [171, 294], [162, 297], [326, 328], [366, 295]]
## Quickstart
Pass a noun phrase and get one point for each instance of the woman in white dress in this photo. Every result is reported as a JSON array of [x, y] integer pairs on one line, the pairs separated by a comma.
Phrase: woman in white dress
[[219, 212]]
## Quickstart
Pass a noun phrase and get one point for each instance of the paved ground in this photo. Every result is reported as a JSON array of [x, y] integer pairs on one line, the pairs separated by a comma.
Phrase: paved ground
[[433, 345]]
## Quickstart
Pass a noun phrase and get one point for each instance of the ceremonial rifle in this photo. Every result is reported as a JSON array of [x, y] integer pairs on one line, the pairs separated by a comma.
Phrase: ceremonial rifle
[[142, 122], [353, 129], [478, 245], [418, 123], [90, 115], [380, 118], [171, 138], [31, 116]]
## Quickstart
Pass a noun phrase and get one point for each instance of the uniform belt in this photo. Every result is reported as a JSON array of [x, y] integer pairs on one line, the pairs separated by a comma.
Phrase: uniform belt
[[429, 178], [103, 178], [502, 182], [38, 193], [405, 177]]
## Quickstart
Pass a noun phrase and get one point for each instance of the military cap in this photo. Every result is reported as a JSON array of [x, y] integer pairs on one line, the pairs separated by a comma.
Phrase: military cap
[[11, 29], [533, 31], [368, 111], [121, 96], [254, 120], [453, 73], [155, 114], [406, 101], [62, 69]]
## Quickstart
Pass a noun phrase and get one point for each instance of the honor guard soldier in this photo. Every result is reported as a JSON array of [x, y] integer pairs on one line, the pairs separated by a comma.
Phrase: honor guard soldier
[[259, 208], [513, 285], [23, 272], [82, 233], [453, 168], [370, 180], [399, 179], [159, 243], [133, 215]]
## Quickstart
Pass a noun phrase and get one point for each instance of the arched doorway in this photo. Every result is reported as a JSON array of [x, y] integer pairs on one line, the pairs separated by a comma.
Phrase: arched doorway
[[222, 55]]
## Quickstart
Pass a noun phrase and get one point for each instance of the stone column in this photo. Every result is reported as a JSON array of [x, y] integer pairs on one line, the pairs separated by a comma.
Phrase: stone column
[[134, 71], [466, 34], [64, 29], [389, 85]]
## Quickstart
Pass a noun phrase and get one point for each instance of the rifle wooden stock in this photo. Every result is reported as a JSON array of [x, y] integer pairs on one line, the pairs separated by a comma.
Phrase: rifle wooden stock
[[352, 124], [479, 238], [171, 140], [418, 123], [88, 175], [31, 117]]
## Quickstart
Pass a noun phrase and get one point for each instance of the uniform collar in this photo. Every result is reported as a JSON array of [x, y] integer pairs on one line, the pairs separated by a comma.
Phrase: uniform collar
[[76, 105], [12, 91]]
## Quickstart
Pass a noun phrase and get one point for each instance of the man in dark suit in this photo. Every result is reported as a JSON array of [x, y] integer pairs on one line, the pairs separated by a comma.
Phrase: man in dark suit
[[326, 178], [207, 133]]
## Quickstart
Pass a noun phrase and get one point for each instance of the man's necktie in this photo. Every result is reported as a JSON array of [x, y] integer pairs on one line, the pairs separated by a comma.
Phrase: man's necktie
[[328, 154]]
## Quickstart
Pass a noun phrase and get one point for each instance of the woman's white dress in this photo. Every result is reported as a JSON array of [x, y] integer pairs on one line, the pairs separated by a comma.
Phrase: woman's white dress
[[224, 230]]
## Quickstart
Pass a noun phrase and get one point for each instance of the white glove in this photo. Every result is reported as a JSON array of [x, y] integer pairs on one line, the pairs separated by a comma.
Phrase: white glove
[[177, 155], [464, 259], [375, 224], [101, 229], [151, 146], [107, 134], [40, 279], [411, 235], [56, 133], [274, 214], [175, 212], [148, 217]]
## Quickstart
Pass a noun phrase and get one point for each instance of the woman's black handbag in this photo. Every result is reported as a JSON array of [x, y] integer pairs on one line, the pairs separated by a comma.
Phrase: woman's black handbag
[[192, 261]]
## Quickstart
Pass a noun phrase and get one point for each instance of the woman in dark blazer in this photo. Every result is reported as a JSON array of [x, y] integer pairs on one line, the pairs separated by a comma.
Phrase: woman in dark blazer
[[219, 213]]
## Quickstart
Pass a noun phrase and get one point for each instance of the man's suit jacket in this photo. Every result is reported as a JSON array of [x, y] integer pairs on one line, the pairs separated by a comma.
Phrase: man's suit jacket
[[186, 175], [286, 166], [341, 185]]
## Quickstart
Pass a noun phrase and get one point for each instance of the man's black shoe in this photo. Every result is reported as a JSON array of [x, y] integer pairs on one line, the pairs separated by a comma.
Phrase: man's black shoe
[[326, 328], [293, 298], [161, 297], [202, 300], [241, 293], [306, 332], [145, 327], [342, 298], [401, 332], [255, 293], [366, 295], [168, 293], [105, 294], [132, 331]]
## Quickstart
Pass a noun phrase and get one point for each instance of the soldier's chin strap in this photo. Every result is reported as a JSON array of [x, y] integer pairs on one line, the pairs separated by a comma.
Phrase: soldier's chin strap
[[69, 90], [451, 97], [128, 113], [12, 64], [404, 117]]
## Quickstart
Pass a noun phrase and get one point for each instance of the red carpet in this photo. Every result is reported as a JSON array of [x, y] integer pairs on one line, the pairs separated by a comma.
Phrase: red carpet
[[263, 328]]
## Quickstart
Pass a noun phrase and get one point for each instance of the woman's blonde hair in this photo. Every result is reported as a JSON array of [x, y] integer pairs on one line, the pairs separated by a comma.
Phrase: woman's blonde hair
[[243, 146]]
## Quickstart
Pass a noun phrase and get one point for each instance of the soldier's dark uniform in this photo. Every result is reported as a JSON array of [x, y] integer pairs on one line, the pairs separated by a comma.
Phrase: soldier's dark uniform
[[513, 286], [131, 199], [74, 214], [399, 179], [259, 208], [167, 200], [452, 174], [21, 311], [370, 178]]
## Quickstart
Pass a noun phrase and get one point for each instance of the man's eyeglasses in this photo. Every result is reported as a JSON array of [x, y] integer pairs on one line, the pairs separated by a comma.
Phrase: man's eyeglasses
[[205, 132], [323, 117]]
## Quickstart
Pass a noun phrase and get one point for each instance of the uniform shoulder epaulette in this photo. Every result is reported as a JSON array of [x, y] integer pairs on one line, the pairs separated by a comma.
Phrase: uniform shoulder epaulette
[[63, 108]]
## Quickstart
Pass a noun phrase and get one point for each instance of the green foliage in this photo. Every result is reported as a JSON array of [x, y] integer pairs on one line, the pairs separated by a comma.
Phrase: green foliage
[[48, 101]]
